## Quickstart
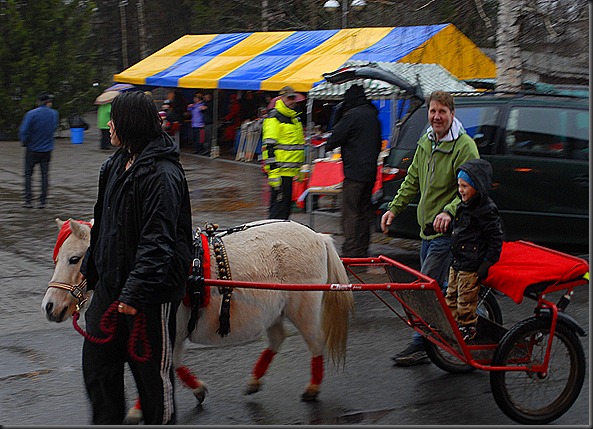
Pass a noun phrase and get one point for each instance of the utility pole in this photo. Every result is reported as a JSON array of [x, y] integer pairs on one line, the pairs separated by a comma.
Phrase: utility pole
[[142, 30], [124, 33]]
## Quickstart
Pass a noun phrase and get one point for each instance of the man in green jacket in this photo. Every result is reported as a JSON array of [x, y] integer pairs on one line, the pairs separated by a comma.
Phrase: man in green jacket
[[433, 174], [283, 151]]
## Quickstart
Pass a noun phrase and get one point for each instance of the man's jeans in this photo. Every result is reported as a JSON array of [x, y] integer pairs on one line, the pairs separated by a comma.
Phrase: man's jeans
[[31, 159], [435, 259]]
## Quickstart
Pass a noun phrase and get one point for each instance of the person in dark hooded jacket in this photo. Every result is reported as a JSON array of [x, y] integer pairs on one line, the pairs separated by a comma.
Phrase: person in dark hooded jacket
[[476, 243], [137, 264], [358, 132]]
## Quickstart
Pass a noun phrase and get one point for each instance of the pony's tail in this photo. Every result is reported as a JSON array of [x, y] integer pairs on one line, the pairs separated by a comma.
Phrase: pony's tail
[[337, 306]]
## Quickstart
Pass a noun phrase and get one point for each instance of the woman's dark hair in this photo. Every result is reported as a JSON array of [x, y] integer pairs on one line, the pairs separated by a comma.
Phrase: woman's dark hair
[[136, 120]]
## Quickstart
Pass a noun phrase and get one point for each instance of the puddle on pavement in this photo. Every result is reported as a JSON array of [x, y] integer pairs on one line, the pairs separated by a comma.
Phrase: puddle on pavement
[[225, 200], [20, 362]]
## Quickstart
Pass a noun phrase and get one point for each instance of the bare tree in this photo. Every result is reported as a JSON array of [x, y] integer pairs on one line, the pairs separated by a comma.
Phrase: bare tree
[[509, 70], [538, 26]]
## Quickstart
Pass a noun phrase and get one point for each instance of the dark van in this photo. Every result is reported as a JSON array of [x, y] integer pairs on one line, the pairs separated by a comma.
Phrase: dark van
[[538, 146]]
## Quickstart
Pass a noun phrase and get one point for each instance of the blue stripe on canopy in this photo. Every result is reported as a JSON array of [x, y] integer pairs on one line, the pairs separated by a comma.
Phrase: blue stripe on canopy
[[194, 60], [274, 60], [398, 43]]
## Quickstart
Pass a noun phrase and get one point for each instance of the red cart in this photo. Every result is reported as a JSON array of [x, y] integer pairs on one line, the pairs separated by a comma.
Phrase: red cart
[[537, 366]]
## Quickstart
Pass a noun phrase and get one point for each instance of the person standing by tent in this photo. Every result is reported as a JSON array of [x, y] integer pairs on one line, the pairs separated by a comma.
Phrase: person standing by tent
[[358, 133], [103, 117], [197, 123], [36, 134], [433, 173], [232, 121], [283, 151]]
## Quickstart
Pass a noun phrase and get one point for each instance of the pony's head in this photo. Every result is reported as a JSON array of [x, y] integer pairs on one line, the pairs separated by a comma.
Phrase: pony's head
[[60, 300]]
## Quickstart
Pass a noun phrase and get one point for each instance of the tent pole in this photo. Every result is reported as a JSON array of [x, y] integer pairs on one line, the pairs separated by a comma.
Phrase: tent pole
[[308, 136], [393, 115], [215, 150]]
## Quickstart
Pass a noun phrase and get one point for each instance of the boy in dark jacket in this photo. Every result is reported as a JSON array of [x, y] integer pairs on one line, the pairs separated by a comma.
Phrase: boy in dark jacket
[[476, 243]]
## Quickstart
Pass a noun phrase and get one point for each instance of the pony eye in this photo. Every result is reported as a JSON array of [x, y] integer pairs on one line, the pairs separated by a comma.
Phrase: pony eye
[[74, 260]]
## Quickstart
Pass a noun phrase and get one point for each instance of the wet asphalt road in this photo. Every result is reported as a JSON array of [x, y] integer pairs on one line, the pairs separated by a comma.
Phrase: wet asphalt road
[[40, 374]]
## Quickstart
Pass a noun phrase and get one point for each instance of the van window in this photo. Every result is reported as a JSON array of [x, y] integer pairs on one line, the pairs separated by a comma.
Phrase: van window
[[481, 123], [548, 132]]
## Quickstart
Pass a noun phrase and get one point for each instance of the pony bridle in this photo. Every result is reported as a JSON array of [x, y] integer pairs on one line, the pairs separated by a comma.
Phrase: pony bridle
[[77, 291]]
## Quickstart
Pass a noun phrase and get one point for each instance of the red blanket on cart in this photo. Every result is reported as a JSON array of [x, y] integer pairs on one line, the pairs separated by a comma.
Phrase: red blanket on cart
[[523, 264]]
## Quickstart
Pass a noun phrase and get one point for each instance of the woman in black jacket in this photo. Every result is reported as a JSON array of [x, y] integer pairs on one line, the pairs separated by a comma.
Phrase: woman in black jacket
[[139, 257]]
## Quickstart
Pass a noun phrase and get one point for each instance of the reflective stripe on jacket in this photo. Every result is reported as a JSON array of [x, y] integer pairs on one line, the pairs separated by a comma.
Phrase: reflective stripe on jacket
[[283, 144]]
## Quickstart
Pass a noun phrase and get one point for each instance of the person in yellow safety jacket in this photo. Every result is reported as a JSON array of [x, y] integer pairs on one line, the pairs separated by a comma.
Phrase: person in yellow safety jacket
[[283, 151]]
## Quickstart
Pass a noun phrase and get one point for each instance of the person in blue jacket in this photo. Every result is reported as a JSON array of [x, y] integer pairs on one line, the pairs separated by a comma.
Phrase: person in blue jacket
[[36, 134]]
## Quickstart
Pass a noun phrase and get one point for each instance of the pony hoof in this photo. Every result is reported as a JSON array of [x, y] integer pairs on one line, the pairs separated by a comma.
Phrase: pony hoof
[[310, 394], [253, 386], [309, 397], [200, 392], [133, 417]]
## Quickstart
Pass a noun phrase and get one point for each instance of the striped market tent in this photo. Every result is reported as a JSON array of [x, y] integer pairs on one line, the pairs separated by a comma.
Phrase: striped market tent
[[270, 60]]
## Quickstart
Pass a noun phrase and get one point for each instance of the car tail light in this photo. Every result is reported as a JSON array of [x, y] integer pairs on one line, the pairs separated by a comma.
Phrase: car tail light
[[393, 173]]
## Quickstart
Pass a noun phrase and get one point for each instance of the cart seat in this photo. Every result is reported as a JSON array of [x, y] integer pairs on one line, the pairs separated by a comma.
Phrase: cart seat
[[527, 269]]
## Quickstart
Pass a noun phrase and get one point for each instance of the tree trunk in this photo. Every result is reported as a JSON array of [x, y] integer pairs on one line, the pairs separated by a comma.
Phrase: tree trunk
[[509, 68]]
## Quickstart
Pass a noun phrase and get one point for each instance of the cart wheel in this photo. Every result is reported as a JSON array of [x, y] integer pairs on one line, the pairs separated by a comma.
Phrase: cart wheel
[[488, 306], [488, 309], [445, 361], [538, 398]]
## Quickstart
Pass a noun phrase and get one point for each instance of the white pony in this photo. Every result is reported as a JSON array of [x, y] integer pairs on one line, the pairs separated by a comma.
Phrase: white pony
[[263, 252]]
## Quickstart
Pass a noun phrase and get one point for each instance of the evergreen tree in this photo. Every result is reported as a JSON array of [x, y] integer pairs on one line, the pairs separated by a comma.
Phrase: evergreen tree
[[44, 47]]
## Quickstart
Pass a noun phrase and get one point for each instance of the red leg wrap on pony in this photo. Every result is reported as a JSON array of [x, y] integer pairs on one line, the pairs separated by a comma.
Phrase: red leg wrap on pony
[[187, 377], [137, 404], [316, 369], [262, 364]]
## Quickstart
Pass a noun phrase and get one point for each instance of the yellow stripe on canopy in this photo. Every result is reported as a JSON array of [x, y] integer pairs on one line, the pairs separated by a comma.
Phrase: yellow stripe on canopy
[[162, 59], [444, 48], [208, 75], [309, 67]]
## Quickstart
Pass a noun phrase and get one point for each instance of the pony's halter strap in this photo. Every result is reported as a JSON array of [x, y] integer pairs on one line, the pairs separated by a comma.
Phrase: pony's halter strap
[[77, 291]]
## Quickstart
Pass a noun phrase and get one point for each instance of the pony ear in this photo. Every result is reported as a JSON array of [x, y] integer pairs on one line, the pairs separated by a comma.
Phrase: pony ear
[[59, 222], [80, 230]]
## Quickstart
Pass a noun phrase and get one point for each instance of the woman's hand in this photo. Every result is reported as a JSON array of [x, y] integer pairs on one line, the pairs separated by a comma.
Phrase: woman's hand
[[126, 309]]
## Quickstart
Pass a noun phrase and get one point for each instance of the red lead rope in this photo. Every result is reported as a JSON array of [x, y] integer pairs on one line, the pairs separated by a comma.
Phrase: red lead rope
[[108, 325]]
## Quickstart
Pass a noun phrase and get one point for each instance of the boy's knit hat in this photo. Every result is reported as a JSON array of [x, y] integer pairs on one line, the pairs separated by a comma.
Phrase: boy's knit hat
[[463, 175]]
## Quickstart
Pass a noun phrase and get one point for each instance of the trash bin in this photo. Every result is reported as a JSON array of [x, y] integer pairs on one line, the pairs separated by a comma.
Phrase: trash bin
[[77, 135], [77, 127]]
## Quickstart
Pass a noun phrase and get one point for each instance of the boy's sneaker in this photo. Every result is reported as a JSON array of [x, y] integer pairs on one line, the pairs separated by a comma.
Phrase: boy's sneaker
[[414, 354], [468, 332]]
